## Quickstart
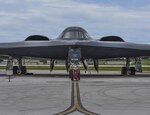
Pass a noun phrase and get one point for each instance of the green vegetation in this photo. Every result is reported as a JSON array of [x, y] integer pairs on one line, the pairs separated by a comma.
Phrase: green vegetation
[[81, 68], [103, 67], [109, 68], [2, 67], [145, 62]]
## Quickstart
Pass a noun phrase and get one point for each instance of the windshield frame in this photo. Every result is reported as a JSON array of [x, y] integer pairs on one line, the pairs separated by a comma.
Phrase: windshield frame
[[75, 34]]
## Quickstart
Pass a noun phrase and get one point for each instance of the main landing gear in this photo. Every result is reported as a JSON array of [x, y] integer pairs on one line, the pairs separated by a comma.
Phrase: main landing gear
[[20, 69], [130, 71], [127, 70]]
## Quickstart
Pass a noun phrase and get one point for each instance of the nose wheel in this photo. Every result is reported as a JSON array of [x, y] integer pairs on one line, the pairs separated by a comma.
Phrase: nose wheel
[[74, 74]]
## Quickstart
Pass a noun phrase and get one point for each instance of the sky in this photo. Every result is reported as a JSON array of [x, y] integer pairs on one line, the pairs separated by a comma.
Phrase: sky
[[129, 19]]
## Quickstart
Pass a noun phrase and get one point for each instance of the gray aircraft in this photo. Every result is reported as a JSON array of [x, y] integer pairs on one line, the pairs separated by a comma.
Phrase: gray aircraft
[[74, 45]]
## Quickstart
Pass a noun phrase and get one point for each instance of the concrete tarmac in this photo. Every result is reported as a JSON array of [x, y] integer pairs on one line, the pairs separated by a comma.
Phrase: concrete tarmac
[[38, 95]]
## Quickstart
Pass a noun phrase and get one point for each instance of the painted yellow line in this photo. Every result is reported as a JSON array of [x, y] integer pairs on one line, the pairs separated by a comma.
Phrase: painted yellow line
[[85, 111], [77, 106], [77, 99], [75, 93], [68, 111]]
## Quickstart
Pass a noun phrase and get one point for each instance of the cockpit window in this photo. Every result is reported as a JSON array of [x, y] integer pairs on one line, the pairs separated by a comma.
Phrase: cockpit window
[[75, 34]]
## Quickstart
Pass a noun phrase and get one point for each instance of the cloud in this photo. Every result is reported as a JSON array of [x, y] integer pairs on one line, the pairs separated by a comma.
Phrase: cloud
[[49, 17]]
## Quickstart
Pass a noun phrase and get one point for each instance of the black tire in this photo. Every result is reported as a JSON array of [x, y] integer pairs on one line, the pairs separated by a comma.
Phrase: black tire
[[124, 71], [15, 70], [23, 70], [70, 73], [79, 76], [72, 78], [132, 70]]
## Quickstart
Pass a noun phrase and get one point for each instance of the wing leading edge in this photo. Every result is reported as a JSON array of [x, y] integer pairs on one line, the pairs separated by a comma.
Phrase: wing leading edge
[[58, 49]]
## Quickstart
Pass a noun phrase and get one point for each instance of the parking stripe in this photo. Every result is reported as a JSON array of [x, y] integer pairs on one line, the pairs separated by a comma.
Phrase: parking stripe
[[76, 104]]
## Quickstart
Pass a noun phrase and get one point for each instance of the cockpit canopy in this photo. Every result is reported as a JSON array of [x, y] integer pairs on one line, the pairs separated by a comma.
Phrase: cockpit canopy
[[74, 33]]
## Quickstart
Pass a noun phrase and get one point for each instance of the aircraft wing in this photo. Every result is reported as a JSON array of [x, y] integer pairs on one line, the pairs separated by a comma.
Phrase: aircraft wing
[[58, 49], [73, 45]]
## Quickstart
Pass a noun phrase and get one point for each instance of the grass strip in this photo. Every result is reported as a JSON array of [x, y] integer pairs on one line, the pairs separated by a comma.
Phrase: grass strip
[[80, 67]]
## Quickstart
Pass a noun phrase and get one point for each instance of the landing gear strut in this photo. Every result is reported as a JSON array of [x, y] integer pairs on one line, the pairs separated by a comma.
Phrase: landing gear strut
[[9, 64], [20, 69], [138, 65], [128, 70], [74, 57]]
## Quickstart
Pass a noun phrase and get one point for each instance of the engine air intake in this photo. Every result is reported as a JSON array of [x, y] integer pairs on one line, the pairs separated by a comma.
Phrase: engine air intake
[[112, 38], [37, 38]]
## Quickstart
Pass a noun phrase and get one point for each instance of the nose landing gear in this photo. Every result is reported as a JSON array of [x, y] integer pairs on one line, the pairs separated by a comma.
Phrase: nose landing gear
[[74, 57], [74, 74]]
